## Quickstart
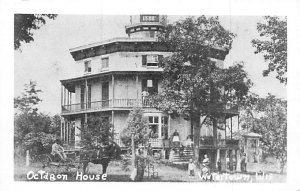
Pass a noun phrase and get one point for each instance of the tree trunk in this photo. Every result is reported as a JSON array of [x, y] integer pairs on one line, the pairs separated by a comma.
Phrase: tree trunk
[[215, 132], [197, 126], [215, 142]]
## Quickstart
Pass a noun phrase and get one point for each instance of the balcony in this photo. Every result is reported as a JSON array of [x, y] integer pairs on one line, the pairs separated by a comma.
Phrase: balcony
[[229, 109], [221, 143], [105, 105]]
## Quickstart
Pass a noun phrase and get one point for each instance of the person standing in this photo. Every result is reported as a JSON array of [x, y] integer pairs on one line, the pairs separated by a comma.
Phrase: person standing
[[145, 94], [175, 139], [191, 168]]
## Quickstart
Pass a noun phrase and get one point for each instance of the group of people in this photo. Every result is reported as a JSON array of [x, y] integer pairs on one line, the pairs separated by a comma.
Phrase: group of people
[[205, 169], [176, 140]]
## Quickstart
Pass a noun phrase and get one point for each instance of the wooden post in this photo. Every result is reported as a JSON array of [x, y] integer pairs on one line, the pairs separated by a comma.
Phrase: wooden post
[[113, 89], [64, 132], [62, 95], [113, 123], [67, 130], [70, 131], [231, 128], [86, 94], [133, 149], [65, 96], [238, 122], [61, 129], [169, 126], [137, 89], [159, 126], [27, 158], [225, 127]]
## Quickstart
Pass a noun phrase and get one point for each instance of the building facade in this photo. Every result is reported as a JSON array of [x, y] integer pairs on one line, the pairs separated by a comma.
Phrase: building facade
[[115, 76]]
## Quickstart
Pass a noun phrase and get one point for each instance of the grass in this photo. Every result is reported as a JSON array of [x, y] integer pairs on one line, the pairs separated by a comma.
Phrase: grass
[[166, 173]]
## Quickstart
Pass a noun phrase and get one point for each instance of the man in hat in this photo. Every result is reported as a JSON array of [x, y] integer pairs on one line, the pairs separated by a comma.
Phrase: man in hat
[[57, 149]]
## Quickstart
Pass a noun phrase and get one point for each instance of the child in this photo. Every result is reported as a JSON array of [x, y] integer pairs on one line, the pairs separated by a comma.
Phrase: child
[[191, 168]]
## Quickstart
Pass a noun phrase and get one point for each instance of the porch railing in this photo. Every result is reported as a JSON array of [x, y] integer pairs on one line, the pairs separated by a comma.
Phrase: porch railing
[[208, 141], [105, 104]]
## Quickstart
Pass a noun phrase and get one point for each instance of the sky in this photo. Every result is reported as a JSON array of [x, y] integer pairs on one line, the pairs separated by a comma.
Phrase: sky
[[47, 60]]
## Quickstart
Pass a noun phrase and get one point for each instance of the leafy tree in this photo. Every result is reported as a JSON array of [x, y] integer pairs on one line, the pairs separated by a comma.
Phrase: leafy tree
[[29, 99], [138, 125], [268, 117], [97, 132], [273, 45], [25, 24], [31, 128], [194, 84]]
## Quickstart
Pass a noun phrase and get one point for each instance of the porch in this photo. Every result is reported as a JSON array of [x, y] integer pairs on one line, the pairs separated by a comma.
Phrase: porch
[[105, 105]]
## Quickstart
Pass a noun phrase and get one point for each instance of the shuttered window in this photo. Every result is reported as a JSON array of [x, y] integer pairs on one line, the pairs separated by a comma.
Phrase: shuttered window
[[144, 60]]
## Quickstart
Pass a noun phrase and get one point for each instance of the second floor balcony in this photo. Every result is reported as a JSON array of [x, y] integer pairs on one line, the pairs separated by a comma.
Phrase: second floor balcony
[[221, 143], [105, 105]]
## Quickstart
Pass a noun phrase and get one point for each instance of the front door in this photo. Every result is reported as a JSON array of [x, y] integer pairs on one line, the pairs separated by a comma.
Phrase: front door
[[105, 94]]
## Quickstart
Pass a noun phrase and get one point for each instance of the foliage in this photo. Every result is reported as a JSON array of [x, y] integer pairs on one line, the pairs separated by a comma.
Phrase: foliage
[[31, 128], [194, 82], [25, 24], [138, 125], [29, 99], [268, 117], [273, 45], [97, 132]]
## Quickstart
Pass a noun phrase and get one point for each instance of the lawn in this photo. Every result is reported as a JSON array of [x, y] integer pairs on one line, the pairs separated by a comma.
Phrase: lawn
[[165, 174]]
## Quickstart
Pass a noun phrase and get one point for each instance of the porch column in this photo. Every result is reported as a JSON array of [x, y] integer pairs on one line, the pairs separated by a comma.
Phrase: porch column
[[225, 127], [113, 89], [86, 94], [159, 126], [70, 131], [67, 134], [218, 157], [69, 98], [113, 123], [169, 126], [137, 89], [64, 137], [61, 129], [62, 95], [238, 122], [231, 128], [65, 97]]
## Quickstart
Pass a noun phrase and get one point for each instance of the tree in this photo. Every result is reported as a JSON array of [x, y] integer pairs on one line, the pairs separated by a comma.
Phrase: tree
[[97, 132], [268, 117], [193, 83], [25, 24], [31, 128], [273, 45], [29, 99], [137, 125], [136, 134]]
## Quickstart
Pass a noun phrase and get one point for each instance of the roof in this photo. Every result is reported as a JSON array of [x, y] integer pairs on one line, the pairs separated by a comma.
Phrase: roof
[[252, 134], [113, 40]]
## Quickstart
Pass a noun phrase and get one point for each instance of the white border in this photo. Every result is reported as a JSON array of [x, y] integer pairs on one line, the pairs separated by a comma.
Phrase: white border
[[175, 7]]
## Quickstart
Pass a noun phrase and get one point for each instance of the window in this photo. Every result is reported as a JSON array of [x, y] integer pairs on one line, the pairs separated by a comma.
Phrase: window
[[153, 126], [87, 66], [150, 60], [152, 34], [150, 85], [104, 63]]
